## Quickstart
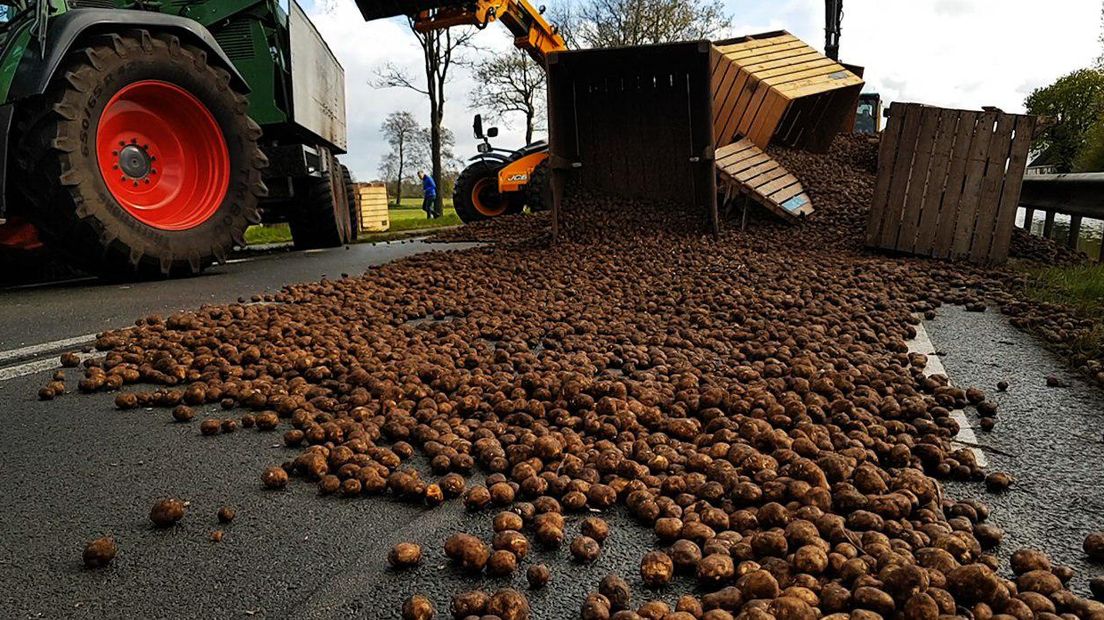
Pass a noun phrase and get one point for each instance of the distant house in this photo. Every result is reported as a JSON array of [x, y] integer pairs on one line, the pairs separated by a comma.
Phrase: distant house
[[1044, 163]]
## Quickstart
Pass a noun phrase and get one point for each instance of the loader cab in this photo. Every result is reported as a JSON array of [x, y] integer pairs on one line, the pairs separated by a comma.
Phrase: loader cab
[[868, 118], [477, 125]]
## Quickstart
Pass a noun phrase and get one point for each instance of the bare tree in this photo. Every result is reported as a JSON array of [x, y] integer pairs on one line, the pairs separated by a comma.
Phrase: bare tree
[[404, 134], [509, 84], [389, 172], [438, 50], [615, 23], [566, 18], [424, 152]]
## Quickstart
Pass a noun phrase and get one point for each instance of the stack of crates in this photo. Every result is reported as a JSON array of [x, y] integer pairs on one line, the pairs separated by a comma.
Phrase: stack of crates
[[371, 201]]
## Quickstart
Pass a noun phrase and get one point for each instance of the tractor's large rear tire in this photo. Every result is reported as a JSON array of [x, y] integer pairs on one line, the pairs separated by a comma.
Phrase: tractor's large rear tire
[[538, 192], [320, 216], [476, 197], [140, 160]]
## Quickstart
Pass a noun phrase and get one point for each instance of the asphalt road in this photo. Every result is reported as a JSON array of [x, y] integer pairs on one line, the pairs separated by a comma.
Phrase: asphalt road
[[31, 315], [1050, 439], [76, 468]]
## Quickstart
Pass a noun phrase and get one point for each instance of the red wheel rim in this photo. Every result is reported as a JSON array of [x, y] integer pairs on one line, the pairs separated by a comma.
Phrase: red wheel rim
[[162, 155], [486, 199]]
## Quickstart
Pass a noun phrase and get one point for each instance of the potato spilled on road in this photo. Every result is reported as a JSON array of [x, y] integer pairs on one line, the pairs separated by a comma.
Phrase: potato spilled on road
[[750, 398]]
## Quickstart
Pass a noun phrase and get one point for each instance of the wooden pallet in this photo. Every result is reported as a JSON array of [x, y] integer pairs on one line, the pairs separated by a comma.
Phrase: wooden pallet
[[949, 182], [773, 86], [744, 168], [371, 199]]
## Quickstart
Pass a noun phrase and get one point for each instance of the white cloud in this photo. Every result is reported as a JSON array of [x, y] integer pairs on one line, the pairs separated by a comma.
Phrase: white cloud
[[961, 53], [953, 7]]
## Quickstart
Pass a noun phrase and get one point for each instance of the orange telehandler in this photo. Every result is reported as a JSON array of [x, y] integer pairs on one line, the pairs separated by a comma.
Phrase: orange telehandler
[[496, 182]]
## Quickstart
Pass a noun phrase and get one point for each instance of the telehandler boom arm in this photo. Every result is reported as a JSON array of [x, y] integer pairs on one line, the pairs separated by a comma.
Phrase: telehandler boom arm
[[532, 32]]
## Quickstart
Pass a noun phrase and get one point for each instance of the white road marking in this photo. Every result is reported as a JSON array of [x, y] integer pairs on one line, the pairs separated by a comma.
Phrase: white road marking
[[30, 368], [34, 285], [922, 344], [235, 261], [56, 345]]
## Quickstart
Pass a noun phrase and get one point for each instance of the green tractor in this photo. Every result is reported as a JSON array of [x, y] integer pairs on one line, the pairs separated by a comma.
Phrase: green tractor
[[140, 138]]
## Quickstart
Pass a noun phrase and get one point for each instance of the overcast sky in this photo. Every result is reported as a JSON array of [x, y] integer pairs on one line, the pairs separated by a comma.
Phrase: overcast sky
[[957, 53]]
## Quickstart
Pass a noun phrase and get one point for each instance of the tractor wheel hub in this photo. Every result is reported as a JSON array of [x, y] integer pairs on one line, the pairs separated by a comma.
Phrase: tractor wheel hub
[[135, 161]]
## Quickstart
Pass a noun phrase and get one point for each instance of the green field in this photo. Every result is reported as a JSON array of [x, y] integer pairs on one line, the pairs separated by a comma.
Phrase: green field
[[410, 216], [405, 218]]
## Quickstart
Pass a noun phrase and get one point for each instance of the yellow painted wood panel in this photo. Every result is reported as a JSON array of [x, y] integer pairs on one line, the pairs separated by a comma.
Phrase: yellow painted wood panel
[[743, 127], [771, 186], [372, 204], [797, 67], [773, 48], [752, 43], [781, 59], [751, 87], [816, 86], [724, 91], [814, 74]]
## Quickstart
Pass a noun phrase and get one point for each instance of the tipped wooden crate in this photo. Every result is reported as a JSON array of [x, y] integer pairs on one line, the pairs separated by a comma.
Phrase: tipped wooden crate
[[371, 200], [949, 182], [773, 86], [746, 170]]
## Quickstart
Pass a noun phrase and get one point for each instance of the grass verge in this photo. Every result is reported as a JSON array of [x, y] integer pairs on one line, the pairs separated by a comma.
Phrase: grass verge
[[1080, 287], [267, 233], [407, 217]]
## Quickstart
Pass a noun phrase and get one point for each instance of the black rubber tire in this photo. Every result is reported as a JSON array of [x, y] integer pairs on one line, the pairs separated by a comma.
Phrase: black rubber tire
[[462, 195], [319, 216], [350, 196], [517, 203], [538, 192], [57, 171]]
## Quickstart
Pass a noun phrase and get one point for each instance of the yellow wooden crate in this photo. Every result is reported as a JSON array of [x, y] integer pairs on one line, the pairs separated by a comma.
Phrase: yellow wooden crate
[[774, 86], [371, 200]]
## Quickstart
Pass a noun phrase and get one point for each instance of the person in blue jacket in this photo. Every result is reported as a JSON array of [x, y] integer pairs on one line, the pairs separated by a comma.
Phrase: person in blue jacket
[[429, 201]]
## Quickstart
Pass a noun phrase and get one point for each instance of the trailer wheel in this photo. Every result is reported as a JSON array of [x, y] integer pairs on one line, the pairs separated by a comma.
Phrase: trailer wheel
[[476, 196], [140, 160], [538, 192], [320, 216]]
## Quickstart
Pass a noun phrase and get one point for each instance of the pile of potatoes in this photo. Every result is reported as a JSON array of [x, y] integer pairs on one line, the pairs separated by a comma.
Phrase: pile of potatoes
[[749, 398]]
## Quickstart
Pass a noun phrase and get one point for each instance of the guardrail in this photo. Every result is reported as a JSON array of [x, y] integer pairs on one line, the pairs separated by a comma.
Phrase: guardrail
[[1079, 196]]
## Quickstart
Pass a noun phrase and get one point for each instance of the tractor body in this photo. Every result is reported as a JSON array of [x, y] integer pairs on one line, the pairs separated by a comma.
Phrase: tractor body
[[263, 52]]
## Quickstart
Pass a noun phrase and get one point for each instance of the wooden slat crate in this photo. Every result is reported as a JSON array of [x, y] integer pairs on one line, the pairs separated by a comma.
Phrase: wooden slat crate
[[743, 167], [949, 182], [773, 86], [371, 200]]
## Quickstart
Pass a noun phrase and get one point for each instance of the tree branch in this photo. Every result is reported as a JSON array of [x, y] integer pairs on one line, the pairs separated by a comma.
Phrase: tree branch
[[393, 76]]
